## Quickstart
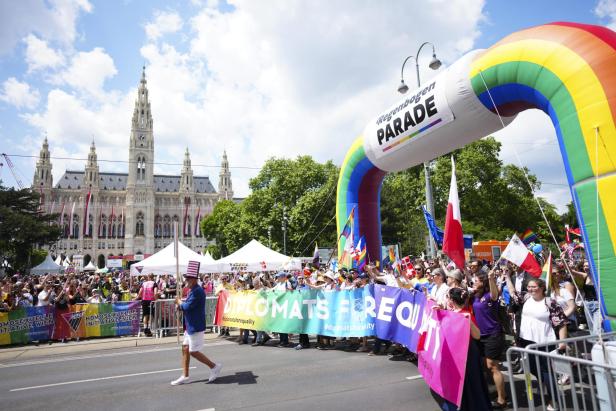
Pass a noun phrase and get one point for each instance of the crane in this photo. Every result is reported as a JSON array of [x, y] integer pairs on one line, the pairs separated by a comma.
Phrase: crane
[[12, 168]]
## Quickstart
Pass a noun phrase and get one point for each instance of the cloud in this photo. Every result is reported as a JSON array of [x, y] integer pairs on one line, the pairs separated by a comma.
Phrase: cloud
[[88, 71], [53, 20], [164, 22], [606, 9], [19, 94], [40, 56]]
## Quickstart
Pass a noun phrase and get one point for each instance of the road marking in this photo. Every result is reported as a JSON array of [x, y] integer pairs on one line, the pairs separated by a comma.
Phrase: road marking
[[113, 377], [208, 409], [115, 354], [414, 377]]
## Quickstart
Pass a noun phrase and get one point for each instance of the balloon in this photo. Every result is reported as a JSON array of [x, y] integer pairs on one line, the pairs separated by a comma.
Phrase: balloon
[[537, 248]]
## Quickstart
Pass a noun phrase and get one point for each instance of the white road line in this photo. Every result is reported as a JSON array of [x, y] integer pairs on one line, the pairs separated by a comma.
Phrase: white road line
[[113, 377], [414, 377], [115, 354], [208, 409]]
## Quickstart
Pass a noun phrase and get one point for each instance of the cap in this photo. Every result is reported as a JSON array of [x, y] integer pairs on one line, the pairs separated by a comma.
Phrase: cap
[[281, 274], [329, 275]]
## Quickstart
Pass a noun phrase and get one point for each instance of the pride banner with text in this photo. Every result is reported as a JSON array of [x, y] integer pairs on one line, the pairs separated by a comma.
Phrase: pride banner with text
[[81, 320], [394, 314]]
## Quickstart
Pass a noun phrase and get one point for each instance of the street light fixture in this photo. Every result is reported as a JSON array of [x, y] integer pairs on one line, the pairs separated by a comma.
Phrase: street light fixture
[[284, 229], [269, 236], [434, 64]]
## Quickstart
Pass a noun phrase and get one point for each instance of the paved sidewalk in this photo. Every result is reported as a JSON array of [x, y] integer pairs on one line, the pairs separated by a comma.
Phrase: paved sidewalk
[[72, 347]]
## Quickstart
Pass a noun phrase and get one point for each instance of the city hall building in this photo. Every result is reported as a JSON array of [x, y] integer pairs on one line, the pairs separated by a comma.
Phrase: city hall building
[[128, 214]]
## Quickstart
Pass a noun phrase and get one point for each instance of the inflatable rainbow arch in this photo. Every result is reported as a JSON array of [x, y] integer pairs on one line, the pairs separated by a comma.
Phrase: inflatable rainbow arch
[[568, 70]]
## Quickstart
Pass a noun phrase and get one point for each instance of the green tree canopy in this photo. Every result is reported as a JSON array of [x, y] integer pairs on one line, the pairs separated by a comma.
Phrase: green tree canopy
[[23, 227]]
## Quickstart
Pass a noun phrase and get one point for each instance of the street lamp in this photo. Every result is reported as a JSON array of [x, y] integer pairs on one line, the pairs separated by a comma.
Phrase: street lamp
[[434, 64], [284, 229], [269, 236]]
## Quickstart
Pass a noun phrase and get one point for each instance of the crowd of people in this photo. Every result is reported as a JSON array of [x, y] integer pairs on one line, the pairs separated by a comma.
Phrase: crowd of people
[[505, 304]]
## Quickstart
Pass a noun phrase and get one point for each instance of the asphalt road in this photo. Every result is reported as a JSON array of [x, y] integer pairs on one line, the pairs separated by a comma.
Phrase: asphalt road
[[255, 378]]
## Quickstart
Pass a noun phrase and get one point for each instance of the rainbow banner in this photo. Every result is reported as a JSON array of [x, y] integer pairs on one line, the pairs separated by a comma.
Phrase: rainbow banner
[[81, 320], [26, 324]]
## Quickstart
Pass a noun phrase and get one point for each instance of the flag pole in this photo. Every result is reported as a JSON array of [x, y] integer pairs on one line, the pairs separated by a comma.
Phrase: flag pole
[[340, 236], [178, 280]]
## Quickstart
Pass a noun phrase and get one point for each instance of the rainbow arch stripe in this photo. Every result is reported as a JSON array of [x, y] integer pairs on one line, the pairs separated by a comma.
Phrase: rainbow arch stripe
[[568, 70]]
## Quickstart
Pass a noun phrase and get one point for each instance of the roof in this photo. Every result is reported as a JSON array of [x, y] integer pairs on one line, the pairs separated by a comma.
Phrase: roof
[[117, 181]]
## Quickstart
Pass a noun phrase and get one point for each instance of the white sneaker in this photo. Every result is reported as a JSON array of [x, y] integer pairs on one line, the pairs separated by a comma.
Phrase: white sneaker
[[298, 347], [180, 381], [215, 372]]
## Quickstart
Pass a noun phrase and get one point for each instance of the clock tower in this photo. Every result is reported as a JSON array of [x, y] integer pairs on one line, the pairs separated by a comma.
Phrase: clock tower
[[140, 182]]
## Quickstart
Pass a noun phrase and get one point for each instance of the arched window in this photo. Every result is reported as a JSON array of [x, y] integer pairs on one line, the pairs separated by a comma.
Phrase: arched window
[[188, 230], [103, 232], [139, 226], [75, 230], [167, 227], [90, 225], [158, 227]]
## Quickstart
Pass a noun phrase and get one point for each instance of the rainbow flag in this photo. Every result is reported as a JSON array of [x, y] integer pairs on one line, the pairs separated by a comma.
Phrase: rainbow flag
[[528, 237], [393, 260], [348, 227], [546, 272]]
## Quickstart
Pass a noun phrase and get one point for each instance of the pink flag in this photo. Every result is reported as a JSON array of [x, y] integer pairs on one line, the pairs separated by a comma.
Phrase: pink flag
[[442, 351], [72, 220], [453, 241], [197, 221], [517, 253]]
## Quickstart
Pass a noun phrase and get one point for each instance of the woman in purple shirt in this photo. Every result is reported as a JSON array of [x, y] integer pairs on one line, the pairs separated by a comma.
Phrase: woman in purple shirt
[[492, 341]]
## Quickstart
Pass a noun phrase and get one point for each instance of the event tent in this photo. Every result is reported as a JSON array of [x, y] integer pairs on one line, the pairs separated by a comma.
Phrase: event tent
[[89, 267], [163, 262], [254, 256], [47, 266]]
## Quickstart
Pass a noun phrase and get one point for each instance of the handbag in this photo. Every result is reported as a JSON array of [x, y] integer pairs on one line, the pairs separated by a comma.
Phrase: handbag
[[557, 315]]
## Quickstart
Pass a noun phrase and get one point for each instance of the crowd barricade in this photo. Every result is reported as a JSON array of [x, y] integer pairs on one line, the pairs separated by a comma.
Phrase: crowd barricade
[[580, 378], [165, 317]]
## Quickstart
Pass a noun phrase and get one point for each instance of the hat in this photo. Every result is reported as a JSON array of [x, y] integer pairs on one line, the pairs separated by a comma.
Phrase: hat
[[281, 274], [330, 275], [191, 275], [301, 276], [455, 274]]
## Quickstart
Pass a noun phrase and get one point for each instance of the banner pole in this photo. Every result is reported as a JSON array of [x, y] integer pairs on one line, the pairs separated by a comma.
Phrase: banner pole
[[178, 280]]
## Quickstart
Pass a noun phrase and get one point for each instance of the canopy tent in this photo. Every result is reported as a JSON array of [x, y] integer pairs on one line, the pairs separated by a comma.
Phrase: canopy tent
[[254, 256], [47, 267], [163, 262], [89, 267]]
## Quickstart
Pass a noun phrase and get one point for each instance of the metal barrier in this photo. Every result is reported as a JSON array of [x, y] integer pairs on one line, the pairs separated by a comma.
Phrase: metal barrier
[[164, 320], [581, 378]]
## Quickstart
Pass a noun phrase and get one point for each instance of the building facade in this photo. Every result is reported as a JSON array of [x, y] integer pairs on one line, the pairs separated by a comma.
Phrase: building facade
[[128, 214]]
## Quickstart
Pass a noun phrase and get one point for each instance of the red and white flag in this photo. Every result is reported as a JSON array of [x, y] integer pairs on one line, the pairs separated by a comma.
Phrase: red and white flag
[[86, 220], [72, 220], [517, 253], [453, 240], [197, 221]]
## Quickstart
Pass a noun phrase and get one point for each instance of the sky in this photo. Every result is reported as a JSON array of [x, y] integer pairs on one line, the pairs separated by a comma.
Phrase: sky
[[259, 79]]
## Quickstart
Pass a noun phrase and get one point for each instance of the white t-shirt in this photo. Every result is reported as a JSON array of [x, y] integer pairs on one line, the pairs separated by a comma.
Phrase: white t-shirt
[[390, 280], [41, 297], [536, 325], [564, 297], [439, 293]]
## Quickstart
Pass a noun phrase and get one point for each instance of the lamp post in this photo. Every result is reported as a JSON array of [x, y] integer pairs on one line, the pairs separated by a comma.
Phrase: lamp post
[[284, 229], [269, 236], [434, 64]]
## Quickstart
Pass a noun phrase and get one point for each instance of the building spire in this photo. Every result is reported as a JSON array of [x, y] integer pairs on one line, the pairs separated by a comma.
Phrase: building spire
[[225, 187]]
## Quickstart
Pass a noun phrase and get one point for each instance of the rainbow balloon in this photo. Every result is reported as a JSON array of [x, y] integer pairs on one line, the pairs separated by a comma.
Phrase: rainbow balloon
[[568, 70]]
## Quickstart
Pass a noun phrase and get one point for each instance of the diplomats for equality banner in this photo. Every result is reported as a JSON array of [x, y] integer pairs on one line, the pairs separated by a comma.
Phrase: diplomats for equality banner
[[81, 320], [394, 314]]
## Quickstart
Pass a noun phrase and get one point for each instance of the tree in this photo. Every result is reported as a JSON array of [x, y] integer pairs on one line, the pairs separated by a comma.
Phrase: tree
[[23, 227], [301, 190]]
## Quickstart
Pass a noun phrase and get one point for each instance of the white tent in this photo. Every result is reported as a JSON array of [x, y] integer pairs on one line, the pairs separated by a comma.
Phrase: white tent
[[47, 266], [89, 267], [254, 256], [163, 262]]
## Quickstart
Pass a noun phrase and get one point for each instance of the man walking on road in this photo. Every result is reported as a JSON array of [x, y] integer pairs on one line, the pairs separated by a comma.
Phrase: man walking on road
[[194, 323]]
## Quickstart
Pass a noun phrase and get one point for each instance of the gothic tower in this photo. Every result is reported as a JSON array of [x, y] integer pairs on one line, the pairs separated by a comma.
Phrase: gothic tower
[[91, 185], [140, 184], [187, 198], [225, 188], [43, 180]]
